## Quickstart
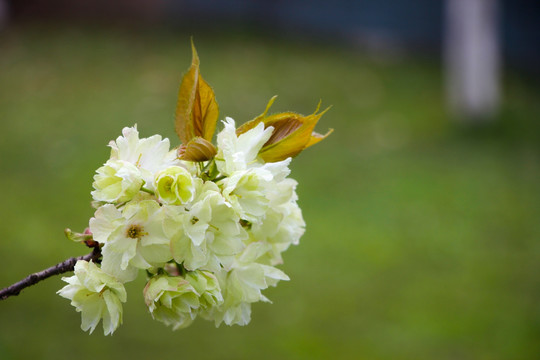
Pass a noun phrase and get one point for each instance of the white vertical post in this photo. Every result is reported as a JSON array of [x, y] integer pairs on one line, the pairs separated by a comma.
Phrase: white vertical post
[[472, 58]]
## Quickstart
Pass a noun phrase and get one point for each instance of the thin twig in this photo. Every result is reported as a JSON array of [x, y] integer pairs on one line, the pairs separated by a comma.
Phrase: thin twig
[[63, 267]]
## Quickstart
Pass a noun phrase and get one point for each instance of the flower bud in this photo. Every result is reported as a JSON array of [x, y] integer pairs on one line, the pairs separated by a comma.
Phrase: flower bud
[[197, 149]]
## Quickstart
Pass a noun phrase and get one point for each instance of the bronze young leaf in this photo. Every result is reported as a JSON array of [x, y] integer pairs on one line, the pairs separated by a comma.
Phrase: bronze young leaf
[[292, 133], [197, 110]]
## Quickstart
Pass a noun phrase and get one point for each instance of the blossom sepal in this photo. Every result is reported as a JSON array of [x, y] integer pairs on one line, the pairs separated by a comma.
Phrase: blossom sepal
[[78, 237]]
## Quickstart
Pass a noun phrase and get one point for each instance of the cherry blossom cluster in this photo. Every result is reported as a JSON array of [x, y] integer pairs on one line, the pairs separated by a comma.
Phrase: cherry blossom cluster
[[208, 247], [206, 223]]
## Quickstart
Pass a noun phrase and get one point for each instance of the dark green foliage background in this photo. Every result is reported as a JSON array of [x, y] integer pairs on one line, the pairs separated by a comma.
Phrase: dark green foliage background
[[423, 236]]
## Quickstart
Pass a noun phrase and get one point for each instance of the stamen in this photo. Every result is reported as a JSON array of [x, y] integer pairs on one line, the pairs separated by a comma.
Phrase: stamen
[[135, 232]]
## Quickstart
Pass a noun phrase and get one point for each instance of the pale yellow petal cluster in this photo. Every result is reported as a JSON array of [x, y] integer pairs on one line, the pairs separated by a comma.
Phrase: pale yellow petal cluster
[[207, 224]]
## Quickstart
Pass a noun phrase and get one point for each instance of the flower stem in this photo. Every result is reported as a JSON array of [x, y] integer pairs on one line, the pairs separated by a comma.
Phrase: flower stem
[[147, 191]]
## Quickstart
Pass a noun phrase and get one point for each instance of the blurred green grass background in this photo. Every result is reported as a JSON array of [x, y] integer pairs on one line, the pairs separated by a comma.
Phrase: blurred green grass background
[[422, 242]]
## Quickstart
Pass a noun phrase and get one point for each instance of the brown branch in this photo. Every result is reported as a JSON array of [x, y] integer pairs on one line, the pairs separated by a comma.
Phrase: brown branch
[[63, 267]]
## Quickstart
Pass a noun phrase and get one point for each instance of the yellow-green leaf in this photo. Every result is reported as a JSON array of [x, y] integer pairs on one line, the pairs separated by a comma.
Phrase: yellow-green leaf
[[196, 110]]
